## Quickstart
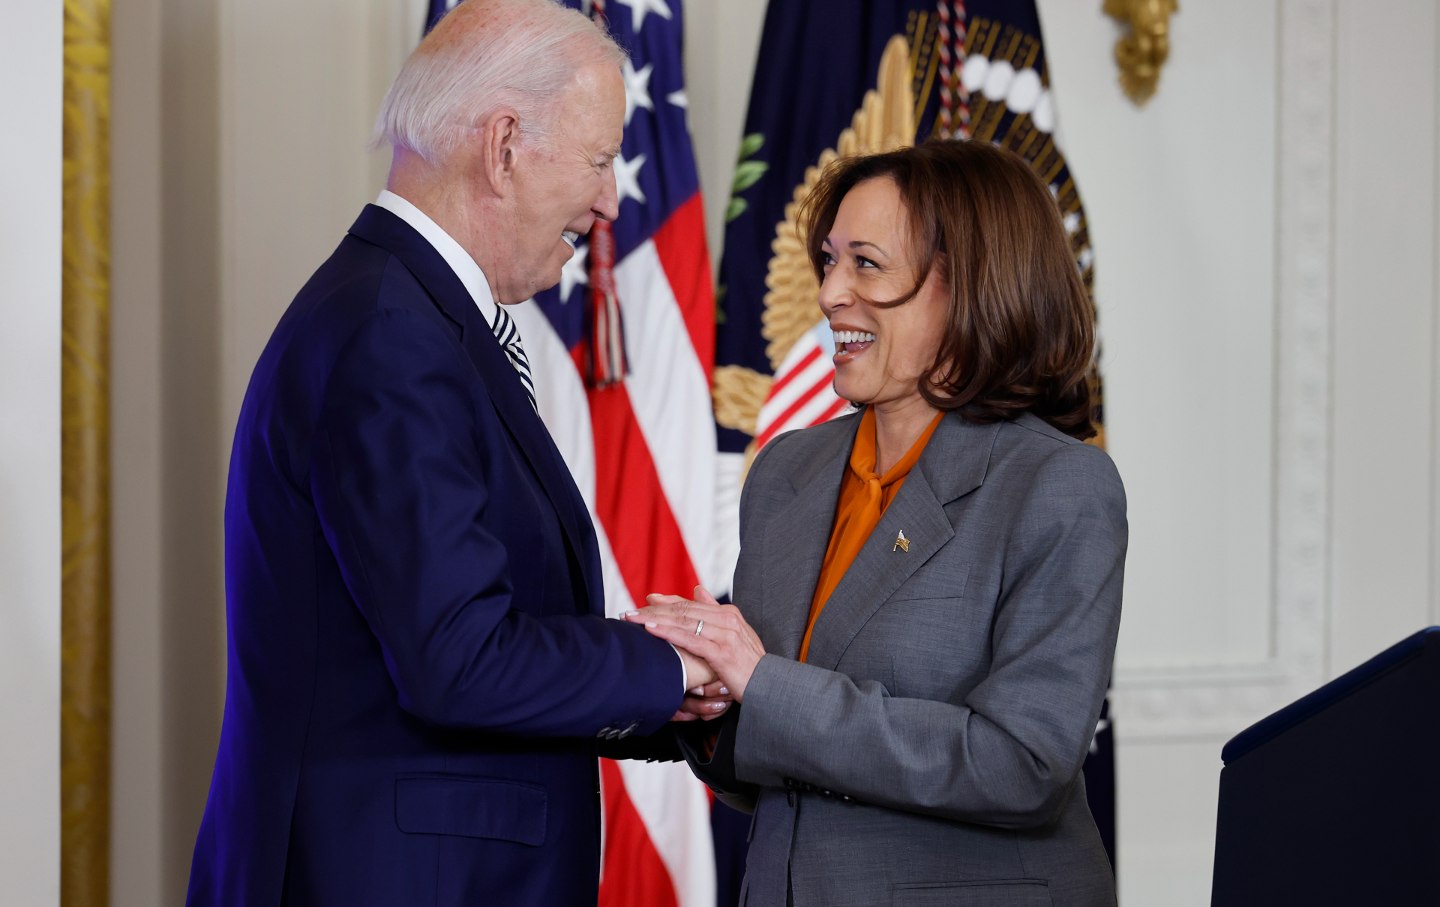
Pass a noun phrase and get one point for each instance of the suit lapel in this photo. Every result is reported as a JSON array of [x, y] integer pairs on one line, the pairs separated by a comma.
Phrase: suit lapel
[[953, 465], [794, 548], [502, 384]]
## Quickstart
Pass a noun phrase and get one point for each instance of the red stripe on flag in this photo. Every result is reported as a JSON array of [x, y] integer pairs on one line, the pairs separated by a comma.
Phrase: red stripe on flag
[[650, 553], [634, 872], [785, 377], [680, 245], [832, 412], [791, 410], [631, 504]]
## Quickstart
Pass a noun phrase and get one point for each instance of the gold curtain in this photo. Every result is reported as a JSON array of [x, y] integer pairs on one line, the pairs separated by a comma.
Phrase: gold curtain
[[85, 461]]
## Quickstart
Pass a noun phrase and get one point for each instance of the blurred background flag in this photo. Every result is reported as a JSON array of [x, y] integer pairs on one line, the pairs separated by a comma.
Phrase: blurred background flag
[[438, 8], [622, 352], [844, 77]]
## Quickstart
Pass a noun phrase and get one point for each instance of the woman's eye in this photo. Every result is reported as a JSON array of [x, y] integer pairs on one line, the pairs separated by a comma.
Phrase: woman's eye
[[826, 259], [863, 262]]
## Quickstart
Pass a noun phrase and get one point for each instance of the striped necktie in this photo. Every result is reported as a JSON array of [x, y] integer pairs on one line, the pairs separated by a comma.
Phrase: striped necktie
[[509, 336]]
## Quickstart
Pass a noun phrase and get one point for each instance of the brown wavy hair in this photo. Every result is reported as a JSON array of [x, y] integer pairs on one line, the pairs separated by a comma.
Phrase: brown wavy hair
[[1020, 330]]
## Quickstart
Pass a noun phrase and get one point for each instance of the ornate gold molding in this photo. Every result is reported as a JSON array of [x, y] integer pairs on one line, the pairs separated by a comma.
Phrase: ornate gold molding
[[1142, 51], [85, 461]]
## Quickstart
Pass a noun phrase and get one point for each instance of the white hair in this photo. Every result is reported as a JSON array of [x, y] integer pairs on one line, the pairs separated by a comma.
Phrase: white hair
[[484, 55]]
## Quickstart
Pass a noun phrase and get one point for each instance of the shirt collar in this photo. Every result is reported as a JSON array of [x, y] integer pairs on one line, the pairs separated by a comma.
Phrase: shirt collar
[[455, 256]]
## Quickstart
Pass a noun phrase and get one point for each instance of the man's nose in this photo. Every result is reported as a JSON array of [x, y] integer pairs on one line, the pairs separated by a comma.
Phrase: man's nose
[[607, 206]]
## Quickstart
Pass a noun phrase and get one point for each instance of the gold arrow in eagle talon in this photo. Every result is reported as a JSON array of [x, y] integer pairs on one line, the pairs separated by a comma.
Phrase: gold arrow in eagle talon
[[901, 542]]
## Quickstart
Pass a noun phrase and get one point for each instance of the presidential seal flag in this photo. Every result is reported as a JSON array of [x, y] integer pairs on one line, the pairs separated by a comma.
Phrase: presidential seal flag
[[621, 352], [840, 77]]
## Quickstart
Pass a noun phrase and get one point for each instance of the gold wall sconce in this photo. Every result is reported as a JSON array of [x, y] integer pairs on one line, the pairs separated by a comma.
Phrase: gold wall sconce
[[1142, 50]]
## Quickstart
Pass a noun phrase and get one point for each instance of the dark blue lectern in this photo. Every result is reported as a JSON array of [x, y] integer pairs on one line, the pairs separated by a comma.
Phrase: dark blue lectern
[[1335, 799]]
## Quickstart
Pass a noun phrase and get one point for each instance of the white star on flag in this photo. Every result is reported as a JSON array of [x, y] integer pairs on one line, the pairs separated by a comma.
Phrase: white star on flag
[[638, 9], [574, 272], [627, 183], [637, 89], [678, 99]]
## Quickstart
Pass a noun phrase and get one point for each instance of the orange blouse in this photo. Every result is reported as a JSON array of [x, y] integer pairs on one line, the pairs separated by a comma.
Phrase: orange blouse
[[863, 499]]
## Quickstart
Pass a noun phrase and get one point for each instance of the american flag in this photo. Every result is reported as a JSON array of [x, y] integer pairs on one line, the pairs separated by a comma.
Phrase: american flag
[[622, 352]]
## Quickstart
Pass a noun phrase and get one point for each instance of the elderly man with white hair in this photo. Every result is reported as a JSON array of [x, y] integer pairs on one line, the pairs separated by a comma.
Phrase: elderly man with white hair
[[420, 673]]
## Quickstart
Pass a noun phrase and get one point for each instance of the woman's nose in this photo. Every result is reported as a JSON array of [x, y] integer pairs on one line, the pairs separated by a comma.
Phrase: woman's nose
[[834, 292]]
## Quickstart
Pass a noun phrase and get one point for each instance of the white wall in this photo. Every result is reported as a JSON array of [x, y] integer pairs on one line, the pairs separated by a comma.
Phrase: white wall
[[30, 55], [1266, 249], [1384, 538]]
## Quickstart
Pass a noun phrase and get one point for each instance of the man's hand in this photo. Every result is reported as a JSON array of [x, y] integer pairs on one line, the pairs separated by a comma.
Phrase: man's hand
[[705, 702], [698, 672]]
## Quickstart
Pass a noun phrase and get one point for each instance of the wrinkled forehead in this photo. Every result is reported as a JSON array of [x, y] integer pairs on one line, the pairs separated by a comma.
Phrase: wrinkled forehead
[[592, 109]]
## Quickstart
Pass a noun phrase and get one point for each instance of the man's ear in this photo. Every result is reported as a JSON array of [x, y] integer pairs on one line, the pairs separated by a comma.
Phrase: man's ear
[[499, 135]]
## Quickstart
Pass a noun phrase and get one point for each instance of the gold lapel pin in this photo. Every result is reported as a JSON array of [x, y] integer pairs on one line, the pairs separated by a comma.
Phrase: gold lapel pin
[[901, 542]]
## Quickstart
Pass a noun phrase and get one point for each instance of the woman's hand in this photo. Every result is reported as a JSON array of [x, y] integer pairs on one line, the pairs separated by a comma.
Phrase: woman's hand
[[705, 703], [708, 630]]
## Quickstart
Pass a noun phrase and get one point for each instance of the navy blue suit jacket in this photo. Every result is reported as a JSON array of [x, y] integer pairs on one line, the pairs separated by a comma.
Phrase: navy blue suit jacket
[[419, 665]]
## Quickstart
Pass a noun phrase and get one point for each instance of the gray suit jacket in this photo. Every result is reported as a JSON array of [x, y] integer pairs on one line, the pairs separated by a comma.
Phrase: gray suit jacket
[[930, 750]]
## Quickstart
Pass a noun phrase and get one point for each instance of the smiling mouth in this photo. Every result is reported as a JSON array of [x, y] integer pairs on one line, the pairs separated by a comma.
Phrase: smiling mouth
[[853, 341]]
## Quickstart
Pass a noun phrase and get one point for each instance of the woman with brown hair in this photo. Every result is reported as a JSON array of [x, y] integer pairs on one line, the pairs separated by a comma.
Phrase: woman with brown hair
[[928, 591]]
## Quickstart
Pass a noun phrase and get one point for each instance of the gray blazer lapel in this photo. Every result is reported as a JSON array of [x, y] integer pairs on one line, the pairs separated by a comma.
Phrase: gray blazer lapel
[[794, 548], [953, 465]]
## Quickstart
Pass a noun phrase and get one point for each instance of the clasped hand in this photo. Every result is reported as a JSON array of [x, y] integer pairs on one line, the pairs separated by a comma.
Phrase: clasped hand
[[713, 633]]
